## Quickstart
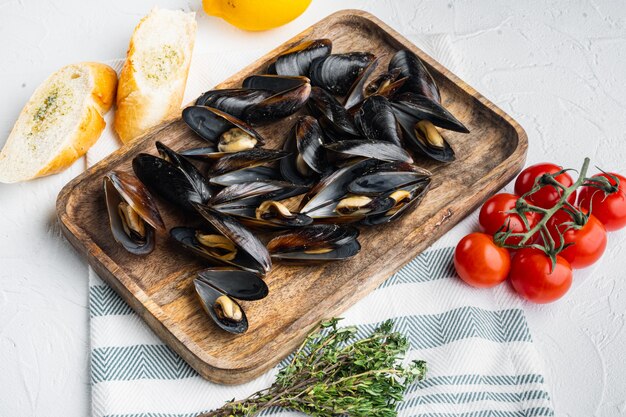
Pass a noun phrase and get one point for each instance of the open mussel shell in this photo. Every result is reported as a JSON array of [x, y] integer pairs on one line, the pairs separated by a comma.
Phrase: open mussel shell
[[172, 177], [268, 215], [356, 94], [297, 60], [317, 243], [419, 80], [252, 174], [134, 230], [223, 253], [423, 108], [233, 101], [333, 187], [240, 236], [423, 137], [290, 95], [215, 126], [254, 193], [376, 119], [352, 208], [245, 159], [332, 116], [385, 182], [308, 156], [406, 199], [224, 310], [236, 283], [386, 84], [337, 73], [204, 153], [376, 149], [338, 253]]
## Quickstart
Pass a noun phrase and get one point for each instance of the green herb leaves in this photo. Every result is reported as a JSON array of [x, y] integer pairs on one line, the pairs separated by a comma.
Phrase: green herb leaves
[[333, 375]]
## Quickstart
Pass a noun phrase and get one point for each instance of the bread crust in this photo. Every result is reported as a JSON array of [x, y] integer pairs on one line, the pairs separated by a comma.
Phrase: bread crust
[[86, 133], [137, 105]]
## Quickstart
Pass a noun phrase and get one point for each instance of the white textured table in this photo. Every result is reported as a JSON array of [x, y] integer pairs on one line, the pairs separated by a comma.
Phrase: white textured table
[[557, 67]]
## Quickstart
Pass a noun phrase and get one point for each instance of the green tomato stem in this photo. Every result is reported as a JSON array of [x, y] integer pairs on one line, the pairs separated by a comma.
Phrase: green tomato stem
[[541, 226]]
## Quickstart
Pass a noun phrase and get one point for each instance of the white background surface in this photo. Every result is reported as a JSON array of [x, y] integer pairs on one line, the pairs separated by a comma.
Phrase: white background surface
[[558, 67]]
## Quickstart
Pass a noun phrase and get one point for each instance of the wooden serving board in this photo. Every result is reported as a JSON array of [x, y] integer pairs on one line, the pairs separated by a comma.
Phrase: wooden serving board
[[159, 286]]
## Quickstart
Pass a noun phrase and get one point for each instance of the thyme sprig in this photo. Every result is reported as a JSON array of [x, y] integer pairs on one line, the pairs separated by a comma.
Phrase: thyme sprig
[[579, 218], [331, 374]]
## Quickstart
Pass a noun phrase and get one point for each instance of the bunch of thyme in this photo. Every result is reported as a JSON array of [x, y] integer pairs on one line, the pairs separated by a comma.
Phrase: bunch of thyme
[[332, 375]]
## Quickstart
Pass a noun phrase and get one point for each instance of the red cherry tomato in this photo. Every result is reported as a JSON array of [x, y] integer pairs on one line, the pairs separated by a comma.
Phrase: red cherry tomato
[[589, 242], [480, 262], [493, 215], [532, 278], [609, 209], [548, 195]]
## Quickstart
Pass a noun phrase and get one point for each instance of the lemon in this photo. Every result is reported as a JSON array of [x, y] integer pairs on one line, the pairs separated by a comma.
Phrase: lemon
[[256, 14]]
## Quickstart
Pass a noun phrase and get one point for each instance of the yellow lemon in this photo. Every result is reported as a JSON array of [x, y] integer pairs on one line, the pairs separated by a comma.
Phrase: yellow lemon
[[256, 14]]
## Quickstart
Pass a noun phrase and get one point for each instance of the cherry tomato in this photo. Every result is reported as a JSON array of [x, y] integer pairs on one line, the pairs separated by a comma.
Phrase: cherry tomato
[[493, 215], [532, 279], [589, 242], [548, 195], [609, 209], [480, 262]]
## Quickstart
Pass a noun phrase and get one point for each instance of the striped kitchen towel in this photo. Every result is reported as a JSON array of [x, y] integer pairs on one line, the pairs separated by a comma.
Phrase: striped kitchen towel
[[480, 354]]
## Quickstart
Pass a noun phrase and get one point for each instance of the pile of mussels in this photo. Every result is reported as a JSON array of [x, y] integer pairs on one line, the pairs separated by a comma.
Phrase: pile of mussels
[[348, 161]]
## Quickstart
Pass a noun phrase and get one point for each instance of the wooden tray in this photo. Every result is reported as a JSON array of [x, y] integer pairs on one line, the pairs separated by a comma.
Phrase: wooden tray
[[159, 286]]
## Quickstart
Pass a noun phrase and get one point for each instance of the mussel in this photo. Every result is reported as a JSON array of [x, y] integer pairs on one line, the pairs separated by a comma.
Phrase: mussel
[[423, 108], [424, 137], [252, 174], [316, 243], [338, 72], [133, 214], [366, 190], [172, 177], [269, 215], [404, 184], [330, 189], [376, 119], [386, 84], [224, 241], [330, 201], [356, 94], [233, 101], [218, 288], [225, 133], [376, 149], [258, 204], [251, 194], [331, 115], [419, 80], [245, 159], [307, 157], [223, 309], [237, 283], [297, 60], [405, 199], [289, 95]]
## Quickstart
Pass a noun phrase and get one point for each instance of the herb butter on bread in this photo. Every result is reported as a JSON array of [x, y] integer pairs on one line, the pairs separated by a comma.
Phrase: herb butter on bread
[[152, 81], [60, 122]]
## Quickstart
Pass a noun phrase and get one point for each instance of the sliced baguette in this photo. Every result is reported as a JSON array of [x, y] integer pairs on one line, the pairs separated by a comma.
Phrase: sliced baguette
[[60, 122], [153, 79]]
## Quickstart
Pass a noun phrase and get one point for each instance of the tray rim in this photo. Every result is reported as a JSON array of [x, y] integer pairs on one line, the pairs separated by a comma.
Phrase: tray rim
[[211, 367]]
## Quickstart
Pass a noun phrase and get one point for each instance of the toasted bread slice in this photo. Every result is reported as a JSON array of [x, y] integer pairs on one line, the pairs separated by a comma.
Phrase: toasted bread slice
[[60, 122], [153, 79]]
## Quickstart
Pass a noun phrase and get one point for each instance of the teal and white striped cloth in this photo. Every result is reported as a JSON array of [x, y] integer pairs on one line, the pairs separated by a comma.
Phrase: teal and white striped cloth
[[480, 354]]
